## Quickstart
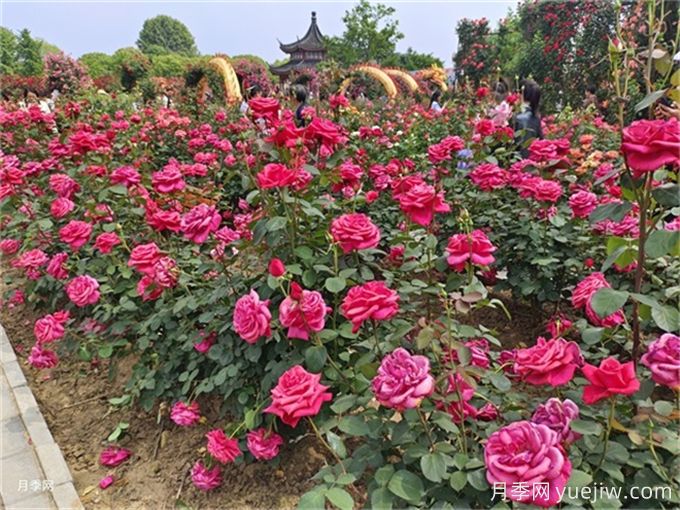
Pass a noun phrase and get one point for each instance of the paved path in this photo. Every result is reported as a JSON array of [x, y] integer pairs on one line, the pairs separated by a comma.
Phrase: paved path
[[33, 472]]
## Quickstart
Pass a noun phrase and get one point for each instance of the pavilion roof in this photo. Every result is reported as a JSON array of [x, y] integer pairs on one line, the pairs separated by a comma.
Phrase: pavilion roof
[[311, 41]]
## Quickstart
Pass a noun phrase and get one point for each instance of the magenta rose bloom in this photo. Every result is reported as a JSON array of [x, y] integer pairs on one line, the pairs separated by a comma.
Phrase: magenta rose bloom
[[459, 393], [206, 479], [529, 453], [403, 380], [550, 362], [298, 394], [547, 191], [609, 379], [421, 202], [75, 233], [56, 267], [264, 444], [144, 257], [83, 290], [303, 312], [200, 222], [582, 296], [61, 207], [663, 359], [106, 241], [221, 447], [50, 327], [372, 300], [557, 416], [111, 456], [185, 415], [650, 144], [252, 317], [42, 358], [582, 203], [276, 175], [474, 248], [355, 232], [488, 177], [168, 180]]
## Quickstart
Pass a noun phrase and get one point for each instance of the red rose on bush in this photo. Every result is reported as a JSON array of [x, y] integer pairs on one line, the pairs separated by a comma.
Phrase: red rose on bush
[[264, 444], [610, 378], [75, 233], [298, 394], [199, 222], [275, 175], [550, 362], [252, 317], [106, 241], [650, 144], [221, 447], [582, 203], [83, 290], [168, 180], [266, 107], [421, 202], [61, 206], [372, 300], [144, 257], [303, 312], [277, 268], [474, 248], [403, 380], [489, 176], [355, 232]]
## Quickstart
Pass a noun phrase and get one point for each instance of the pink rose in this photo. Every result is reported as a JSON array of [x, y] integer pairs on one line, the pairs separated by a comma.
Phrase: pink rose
[[650, 144], [75, 233], [221, 447], [663, 359], [106, 241], [207, 341], [582, 203], [303, 312], [529, 453], [9, 246], [372, 300], [355, 232], [61, 207], [488, 176], [546, 191], [557, 416], [479, 353], [421, 202], [610, 378], [550, 362], [297, 394], [168, 180], [403, 380], [558, 325], [276, 268], [50, 327], [143, 258], [125, 175], [56, 267], [582, 296], [264, 444], [112, 456], [266, 107], [206, 479], [83, 290], [252, 317], [276, 175], [199, 222], [63, 185], [474, 248], [42, 358], [185, 415]]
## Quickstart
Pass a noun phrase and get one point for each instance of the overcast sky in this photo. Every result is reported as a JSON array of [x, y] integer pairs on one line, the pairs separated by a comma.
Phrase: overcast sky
[[234, 27]]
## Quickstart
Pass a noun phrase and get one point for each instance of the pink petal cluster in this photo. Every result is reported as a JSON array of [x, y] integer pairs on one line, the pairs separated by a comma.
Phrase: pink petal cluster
[[263, 444], [83, 290], [558, 415], [303, 314], [355, 232], [403, 380], [663, 359], [185, 415], [206, 479], [474, 248], [552, 362], [111, 456], [372, 300], [252, 318], [221, 447], [297, 394]]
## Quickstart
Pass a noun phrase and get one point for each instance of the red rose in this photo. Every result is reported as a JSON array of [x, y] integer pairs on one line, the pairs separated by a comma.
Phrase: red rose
[[650, 144], [610, 378], [168, 180], [421, 202], [199, 222], [221, 447], [83, 290], [144, 257], [324, 131], [75, 233], [61, 206], [106, 241], [266, 107], [372, 300], [550, 362], [474, 248], [298, 394], [275, 175], [489, 176], [355, 232], [277, 268]]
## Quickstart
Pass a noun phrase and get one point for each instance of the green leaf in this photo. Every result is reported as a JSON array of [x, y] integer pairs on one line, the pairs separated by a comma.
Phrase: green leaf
[[612, 211], [663, 407], [433, 466], [617, 453], [579, 478], [105, 350], [662, 242], [354, 426], [458, 480], [667, 318], [343, 403], [340, 498], [337, 444], [585, 427], [606, 301], [667, 195], [407, 486], [444, 422], [649, 100], [315, 357], [276, 223], [312, 500], [381, 499], [382, 475], [335, 284], [478, 479], [500, 381]]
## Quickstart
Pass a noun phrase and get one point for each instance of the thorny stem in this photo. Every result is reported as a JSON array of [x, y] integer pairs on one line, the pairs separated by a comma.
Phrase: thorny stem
[[428, 432], [610, 423], [328, 447]]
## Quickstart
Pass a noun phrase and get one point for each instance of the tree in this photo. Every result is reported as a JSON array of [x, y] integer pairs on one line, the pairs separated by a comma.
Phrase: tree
[[163, 34], [411, 60], [98, 64], [370, 35], [28, 58], [8, 49], [131, 65]]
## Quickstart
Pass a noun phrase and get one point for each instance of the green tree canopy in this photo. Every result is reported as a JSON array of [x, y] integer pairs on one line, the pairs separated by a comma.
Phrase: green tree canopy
[[28, 58], [8, 49], [411, 60], [163, 34], [99, 64], [371, 34]]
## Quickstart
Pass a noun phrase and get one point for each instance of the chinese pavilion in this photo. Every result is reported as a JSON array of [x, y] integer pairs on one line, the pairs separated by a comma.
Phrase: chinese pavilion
[[304, 53]]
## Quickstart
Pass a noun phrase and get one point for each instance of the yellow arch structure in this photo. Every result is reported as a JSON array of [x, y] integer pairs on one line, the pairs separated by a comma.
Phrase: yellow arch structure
[[377, 74], [436, 75], [406, 78], [231, 86]]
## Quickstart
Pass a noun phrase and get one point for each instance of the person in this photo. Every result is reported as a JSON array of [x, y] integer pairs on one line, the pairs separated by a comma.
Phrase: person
[[501, 91], [667, 109], [301, 98], [434, 101], [591, 96], [528, 123], [251, 92], [502, 112]]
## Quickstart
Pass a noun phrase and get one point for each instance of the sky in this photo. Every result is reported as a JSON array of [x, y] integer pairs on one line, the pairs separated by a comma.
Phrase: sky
[[235, 27]]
